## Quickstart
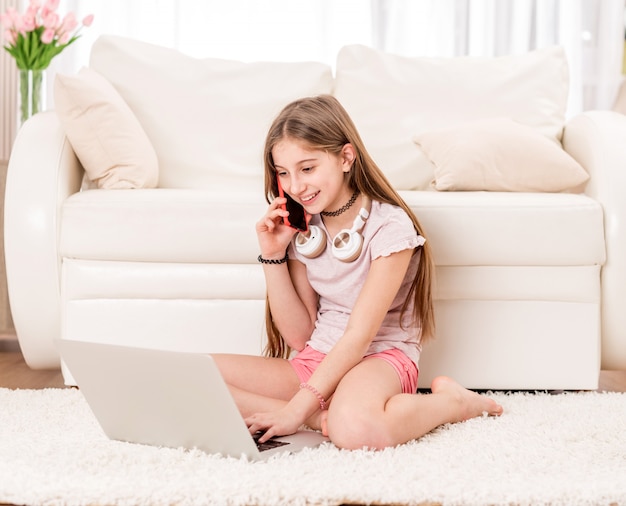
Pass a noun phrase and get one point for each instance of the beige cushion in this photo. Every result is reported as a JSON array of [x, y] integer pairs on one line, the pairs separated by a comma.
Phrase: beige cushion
[[499, 155], [206, 118], [104, 133], [392, 98]]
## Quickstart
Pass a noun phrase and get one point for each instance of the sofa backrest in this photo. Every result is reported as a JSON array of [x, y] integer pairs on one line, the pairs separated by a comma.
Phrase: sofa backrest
[[206, 118], [394, 98]]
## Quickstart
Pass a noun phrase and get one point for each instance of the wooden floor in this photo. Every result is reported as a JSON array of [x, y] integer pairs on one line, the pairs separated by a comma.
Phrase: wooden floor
[[14, 373]]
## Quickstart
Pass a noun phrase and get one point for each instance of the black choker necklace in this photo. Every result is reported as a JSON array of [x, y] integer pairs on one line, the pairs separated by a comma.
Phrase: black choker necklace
[[343, 209]]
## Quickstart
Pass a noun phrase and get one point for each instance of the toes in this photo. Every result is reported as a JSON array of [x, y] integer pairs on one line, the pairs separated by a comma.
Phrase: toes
[[473, 404], [497, 410], [324, 422]]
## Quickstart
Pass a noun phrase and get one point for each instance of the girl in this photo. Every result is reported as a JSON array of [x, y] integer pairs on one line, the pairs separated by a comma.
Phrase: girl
[[357, 312]]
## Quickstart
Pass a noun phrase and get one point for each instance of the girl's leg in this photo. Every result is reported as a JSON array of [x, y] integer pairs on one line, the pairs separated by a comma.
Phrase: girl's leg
[[369, 410], [258, 384]]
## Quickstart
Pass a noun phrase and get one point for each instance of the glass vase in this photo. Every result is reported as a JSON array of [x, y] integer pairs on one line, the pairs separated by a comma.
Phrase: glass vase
[[31, 93]]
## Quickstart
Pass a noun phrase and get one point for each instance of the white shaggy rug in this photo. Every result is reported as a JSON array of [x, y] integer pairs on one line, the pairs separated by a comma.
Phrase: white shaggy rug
[[567, 449]]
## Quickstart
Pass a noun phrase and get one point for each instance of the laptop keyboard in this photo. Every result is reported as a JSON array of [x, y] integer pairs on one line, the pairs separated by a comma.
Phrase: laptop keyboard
[[269, 444]]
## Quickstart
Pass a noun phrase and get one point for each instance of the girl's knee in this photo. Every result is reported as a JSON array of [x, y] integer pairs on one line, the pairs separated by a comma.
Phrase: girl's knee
[[357, 429]]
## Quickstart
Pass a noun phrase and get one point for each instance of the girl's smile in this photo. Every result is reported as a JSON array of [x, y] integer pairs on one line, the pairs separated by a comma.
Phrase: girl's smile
[[308, 199], [313, 177]]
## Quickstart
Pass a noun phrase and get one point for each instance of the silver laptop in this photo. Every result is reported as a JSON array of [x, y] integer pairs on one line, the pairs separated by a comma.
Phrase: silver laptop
[[166, 398]]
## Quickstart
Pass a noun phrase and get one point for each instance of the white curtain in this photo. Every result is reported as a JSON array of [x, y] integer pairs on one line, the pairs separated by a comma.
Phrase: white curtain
[[591, 31], [244, 30]]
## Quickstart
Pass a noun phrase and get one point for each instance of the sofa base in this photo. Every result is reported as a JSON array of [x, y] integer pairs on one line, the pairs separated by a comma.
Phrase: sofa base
[[515, 345], [520, 328]]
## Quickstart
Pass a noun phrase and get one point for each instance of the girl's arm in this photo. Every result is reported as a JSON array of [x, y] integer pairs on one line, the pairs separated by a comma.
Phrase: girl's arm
[[381, 286], [292, 300]]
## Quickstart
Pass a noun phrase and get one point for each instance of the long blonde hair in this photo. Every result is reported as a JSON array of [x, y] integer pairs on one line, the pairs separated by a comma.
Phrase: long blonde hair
[[324, 124]]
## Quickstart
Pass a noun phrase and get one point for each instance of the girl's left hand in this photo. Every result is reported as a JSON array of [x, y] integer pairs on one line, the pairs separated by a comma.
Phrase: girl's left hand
[[278, 423]]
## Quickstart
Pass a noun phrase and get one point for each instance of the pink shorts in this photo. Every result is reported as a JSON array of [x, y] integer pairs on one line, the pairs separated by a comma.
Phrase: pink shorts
[[305, 363]]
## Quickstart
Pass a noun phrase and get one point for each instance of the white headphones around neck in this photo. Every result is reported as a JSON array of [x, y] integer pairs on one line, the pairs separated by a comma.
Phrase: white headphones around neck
[[346, 245]]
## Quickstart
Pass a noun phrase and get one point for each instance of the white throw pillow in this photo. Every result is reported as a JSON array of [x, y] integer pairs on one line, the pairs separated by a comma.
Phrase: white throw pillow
[[392, 98], [206, 118], [105, 135], [499, 155]]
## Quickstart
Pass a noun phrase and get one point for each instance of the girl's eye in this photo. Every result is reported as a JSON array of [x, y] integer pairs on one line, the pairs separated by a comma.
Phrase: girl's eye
[[307, 169]]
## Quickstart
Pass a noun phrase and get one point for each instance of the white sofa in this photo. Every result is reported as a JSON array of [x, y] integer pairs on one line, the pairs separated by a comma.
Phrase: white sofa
[[531, 277]]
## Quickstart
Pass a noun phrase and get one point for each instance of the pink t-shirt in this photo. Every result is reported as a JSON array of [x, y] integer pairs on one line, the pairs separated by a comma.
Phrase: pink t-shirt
[[388, 230]]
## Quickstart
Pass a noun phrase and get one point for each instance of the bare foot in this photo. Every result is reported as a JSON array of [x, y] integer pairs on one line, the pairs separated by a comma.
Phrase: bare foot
[[470, 403], [319, 421], [324, 422]]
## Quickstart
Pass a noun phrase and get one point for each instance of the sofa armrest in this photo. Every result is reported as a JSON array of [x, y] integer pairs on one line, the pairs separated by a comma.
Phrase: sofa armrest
[[596, 140], [43, 171]]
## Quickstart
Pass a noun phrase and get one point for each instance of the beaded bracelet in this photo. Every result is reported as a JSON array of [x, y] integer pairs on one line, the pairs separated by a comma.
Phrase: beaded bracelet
[[272, 261], [315, 392]]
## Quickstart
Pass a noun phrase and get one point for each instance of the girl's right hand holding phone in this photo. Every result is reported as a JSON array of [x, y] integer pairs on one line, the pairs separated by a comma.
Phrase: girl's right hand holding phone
[[273, 235]]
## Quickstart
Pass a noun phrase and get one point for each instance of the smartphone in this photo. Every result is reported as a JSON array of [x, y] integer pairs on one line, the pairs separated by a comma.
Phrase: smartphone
[[297, 214]]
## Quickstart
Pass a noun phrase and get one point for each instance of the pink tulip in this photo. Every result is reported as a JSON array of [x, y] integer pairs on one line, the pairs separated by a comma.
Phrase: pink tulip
[[9, 36], [65, 38], [32, 11], [52, 31], [18, 26], [52, 5], [10, 18], [33, 8], [51, 20], [69, 23], [28, 23], [12, 13], [47, 36]]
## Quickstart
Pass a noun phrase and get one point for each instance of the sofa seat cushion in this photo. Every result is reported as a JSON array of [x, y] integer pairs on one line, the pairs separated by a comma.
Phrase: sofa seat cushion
[[203, 226], [502, 228], [162, 225]]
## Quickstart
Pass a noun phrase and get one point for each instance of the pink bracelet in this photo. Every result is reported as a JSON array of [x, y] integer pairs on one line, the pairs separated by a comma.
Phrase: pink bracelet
[[315, 392]]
